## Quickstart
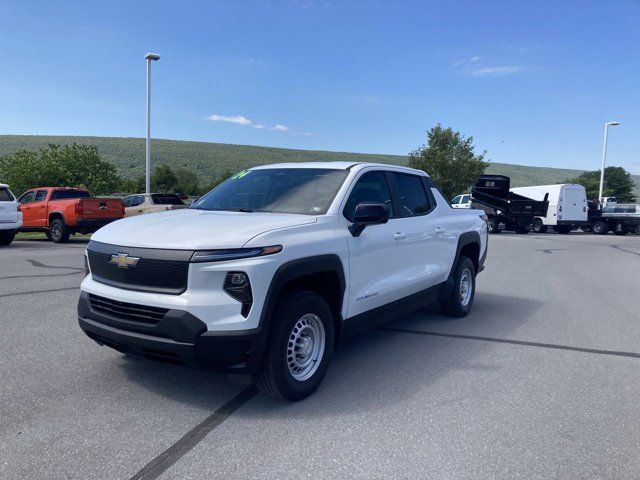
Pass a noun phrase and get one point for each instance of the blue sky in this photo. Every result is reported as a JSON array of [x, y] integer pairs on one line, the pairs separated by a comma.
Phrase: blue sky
[[532, 82]]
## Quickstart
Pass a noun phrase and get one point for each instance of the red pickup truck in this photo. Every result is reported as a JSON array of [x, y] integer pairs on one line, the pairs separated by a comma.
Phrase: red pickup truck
[[63, 211]]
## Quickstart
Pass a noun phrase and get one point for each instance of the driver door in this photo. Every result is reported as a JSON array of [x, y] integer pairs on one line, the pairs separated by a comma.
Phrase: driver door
[[375, 257]]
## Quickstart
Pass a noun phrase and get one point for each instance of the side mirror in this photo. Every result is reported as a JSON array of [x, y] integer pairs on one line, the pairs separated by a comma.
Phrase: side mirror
[[368, 214]]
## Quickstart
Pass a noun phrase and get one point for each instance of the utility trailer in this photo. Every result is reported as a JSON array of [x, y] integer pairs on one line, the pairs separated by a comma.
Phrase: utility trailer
[[506, 210], [617, 218]]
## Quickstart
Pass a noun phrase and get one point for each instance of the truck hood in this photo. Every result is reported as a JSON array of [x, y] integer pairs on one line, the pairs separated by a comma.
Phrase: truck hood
[[192, 229]]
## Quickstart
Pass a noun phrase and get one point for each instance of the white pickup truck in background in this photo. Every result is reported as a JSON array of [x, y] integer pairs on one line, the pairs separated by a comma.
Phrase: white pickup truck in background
[[10, 215]]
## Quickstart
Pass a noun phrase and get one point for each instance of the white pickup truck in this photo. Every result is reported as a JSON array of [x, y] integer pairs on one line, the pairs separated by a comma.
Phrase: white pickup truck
[[10, 215], [269, 271]]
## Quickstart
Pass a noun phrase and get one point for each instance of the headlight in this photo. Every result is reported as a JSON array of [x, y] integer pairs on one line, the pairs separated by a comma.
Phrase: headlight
[[233, 254]]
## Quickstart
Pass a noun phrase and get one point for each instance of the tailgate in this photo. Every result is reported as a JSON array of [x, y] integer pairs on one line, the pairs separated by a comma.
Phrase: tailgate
[[101, 208]]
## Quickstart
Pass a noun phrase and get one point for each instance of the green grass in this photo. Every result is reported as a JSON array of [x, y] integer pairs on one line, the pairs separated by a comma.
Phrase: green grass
[[209, 160], [42, 236]]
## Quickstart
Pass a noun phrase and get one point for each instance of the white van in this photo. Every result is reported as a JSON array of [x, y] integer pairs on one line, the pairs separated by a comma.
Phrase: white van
[[462, 201], [568, 207]]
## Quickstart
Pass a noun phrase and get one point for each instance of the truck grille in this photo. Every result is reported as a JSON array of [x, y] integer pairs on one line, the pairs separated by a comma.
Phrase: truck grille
[[141, 269], [127, 311]]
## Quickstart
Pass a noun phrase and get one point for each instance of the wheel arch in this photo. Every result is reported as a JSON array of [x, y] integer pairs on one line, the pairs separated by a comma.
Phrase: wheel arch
[[55, 215], [468, 246], [322, 274]]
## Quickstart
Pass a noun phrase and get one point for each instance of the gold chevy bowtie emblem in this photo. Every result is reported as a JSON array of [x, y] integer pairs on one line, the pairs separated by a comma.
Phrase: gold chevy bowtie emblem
[[123, 260]]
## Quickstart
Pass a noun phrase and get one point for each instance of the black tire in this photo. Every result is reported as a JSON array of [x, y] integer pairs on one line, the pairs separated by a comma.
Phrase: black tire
[[538, 226], [620, 229], [601, 228], [58, 231], [563, 229], [6, 237], [492, 225], [275, 377], [458, 304]]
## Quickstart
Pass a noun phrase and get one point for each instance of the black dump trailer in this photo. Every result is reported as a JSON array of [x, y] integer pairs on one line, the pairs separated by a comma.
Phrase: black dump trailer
[[619, 219], [506, 210]]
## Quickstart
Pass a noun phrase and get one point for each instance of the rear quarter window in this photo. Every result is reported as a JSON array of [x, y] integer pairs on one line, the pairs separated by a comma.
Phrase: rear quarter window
[[6, 195], [65, 194]]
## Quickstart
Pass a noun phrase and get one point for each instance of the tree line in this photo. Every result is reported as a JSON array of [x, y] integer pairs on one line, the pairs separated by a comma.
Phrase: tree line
[[82, 166], [448, 156]]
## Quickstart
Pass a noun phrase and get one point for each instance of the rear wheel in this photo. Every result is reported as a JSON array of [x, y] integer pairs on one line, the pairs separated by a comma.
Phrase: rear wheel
[[492, 226], [58, 231], [300, 347], [620, 229], [538, 226], [460, 301], [6, 237], [601, 228]]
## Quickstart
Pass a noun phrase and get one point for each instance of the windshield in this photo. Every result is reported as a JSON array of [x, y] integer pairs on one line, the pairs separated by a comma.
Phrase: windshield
[[166, 199], [69, 193], [307, 191]]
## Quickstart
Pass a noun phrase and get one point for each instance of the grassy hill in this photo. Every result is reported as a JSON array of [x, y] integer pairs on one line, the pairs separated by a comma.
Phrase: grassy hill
[[209, 160]]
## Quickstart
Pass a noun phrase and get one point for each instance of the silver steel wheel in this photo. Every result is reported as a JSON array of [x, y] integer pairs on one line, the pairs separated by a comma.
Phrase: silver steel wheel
[[305, 347], [466, 287]]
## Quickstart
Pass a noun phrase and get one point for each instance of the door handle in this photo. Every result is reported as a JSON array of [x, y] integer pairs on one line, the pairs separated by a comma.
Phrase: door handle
[[400, 236], [439, 229]]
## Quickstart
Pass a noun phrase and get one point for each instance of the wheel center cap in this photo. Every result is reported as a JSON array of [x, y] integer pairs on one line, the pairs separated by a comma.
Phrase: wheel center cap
[[307, 346]]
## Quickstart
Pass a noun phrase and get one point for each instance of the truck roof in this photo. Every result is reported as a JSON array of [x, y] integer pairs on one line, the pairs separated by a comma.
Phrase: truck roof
[[338, 165]]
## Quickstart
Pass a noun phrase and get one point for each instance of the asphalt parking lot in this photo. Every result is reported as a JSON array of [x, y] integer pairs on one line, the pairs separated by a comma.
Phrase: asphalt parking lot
[[542, 380]]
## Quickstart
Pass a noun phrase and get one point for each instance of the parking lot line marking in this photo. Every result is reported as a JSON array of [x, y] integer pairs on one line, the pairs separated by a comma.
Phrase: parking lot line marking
[[41, 276], [38, 291], [36, 263], [175, 452], [515, 342]]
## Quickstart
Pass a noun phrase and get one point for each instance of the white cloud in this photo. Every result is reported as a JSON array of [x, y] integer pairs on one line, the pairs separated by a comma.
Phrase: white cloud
[[238, 119], [245, 122], [496, 71]]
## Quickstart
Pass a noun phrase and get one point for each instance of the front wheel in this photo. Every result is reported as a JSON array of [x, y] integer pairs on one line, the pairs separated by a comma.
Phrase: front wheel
[[538, 226], [492, 226], [460, 300], [6, 237], [300, 347]]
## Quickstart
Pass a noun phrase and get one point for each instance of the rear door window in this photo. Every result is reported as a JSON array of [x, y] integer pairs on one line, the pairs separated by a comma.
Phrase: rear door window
[[413, 198]]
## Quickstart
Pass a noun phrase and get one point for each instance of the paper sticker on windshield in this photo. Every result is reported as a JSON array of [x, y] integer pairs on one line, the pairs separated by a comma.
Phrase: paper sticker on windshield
[[241, 174]]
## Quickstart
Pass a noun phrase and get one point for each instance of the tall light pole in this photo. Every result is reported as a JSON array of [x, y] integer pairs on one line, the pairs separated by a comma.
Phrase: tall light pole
[[604, 156], [149, 57]]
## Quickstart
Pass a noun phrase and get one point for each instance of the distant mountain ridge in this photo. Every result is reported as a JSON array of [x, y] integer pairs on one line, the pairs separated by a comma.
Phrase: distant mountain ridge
[[209, 160]]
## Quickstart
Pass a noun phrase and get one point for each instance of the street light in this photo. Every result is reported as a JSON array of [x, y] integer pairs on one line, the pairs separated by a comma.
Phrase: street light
[[149, 57], [604, 156]]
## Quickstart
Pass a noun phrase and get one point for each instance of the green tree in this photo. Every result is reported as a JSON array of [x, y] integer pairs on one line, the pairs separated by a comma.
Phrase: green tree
[[163, 179], [187, 182], [69, 165], [617, 183], [450, 159]]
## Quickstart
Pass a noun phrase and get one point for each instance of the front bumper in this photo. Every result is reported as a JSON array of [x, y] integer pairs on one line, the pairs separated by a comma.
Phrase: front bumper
[[179, 338]]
